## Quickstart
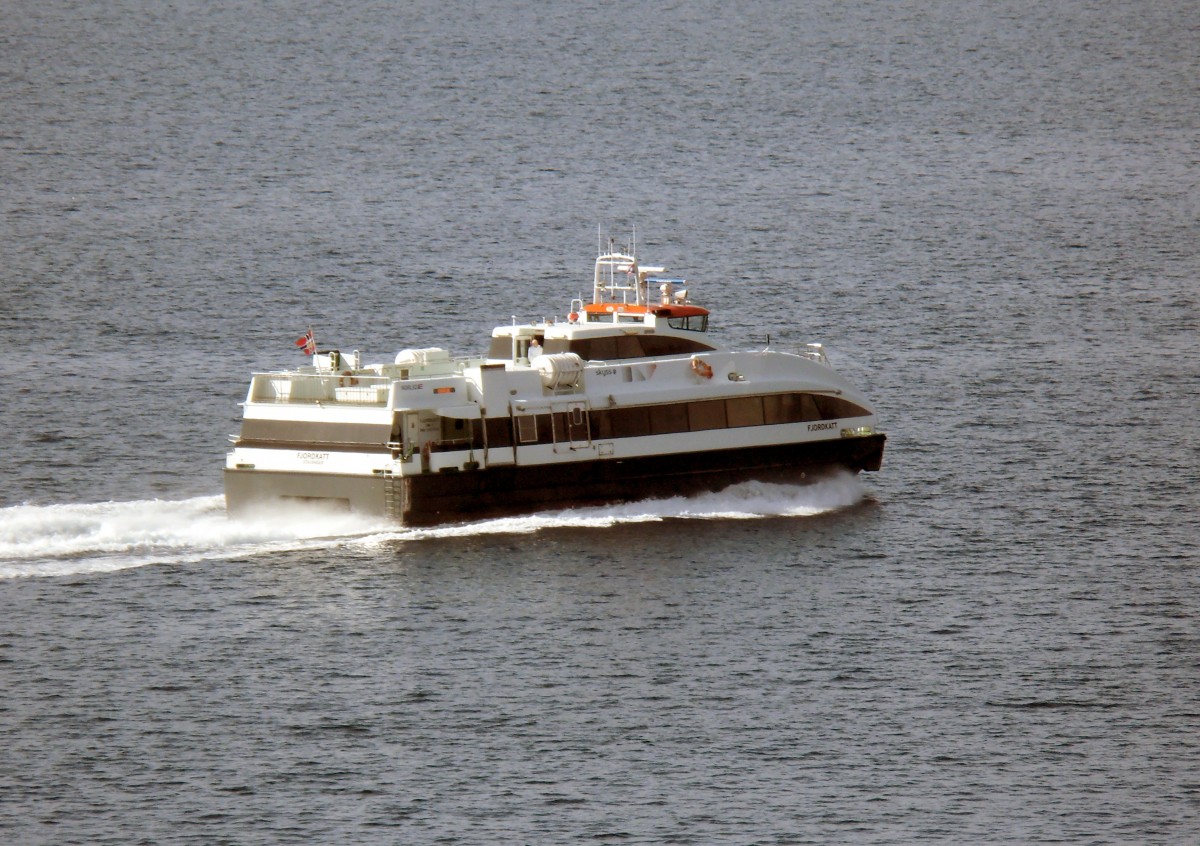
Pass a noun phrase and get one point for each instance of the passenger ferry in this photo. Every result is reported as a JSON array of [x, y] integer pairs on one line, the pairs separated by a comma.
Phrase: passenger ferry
[[624, 397]]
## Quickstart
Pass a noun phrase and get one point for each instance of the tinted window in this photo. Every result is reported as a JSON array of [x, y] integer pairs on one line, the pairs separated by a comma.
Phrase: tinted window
[[671, 418], [708, 414], [602, 425], [665, 345], [527, 429], [668, 419], [695, 323], [630, 422], [632, 346], [833, 408], [629, 346], [602, 348], [744, 411], [499, 431]]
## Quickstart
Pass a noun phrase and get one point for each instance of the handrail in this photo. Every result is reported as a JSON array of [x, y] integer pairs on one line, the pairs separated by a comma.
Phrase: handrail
[[291, 386]]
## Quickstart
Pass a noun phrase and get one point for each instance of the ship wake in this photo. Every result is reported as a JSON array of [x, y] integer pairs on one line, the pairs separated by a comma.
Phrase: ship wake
[[62, 540], [80, 539], [744, 501]]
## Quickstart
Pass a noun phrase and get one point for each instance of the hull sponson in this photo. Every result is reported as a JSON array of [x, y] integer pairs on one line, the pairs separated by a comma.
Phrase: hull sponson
[[431, 498], [442, 497]]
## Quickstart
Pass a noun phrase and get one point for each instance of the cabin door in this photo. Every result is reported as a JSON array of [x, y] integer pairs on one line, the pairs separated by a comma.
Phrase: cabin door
[[571, 429], [405, 433], [525, 433]]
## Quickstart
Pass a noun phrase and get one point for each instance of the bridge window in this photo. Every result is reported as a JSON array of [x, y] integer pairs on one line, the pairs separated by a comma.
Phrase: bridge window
[[691, 323]]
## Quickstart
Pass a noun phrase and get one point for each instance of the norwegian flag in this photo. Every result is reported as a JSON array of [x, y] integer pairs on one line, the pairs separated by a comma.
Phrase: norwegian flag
[[307, 344]]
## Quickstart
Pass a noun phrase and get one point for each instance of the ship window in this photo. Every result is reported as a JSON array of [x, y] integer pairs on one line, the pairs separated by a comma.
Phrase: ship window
[[527, 429], [459, 434], [692, 323], [666, 345], [602, 348], [499, 432], [558, 422], [834, 408], [634, 346], [501, 348], [781, 408], [744, 411], [601, 425], [705, 415], [630, 422], [668, 419], [629, 346], [315, 433]]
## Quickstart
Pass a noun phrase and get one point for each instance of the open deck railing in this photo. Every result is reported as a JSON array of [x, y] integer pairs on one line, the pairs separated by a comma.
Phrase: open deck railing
[[815, 352], [355, 389]]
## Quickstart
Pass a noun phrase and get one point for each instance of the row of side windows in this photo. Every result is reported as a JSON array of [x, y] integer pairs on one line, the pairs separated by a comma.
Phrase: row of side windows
[[637, 421], [732, 413], [610, 348]]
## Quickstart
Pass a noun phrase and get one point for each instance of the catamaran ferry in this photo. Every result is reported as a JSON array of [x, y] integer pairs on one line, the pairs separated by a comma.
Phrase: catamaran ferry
[[625, 397]]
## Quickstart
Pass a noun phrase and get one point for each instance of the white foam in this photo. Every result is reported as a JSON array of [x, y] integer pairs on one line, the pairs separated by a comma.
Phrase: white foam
[[60, 540], [56, 540], [745, 501]]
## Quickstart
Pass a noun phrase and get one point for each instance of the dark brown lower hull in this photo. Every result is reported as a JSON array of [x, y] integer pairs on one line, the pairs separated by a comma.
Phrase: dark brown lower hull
[[432, 498]]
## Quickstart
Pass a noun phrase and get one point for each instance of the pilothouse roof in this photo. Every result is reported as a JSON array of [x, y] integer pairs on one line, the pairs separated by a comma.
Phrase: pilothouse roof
[[621, 284]]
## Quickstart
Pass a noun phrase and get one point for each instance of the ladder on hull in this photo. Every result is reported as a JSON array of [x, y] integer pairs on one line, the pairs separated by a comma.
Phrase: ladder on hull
[[393, 495]]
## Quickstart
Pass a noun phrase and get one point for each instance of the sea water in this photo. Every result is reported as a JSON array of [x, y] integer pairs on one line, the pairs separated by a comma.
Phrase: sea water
[[986, 212]]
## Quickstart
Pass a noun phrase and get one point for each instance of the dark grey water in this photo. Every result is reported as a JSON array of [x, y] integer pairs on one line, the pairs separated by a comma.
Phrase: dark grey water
[[989, 214]]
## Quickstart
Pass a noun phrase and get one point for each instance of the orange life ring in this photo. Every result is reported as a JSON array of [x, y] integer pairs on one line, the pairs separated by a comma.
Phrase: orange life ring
[[347, 378], [702, 368]]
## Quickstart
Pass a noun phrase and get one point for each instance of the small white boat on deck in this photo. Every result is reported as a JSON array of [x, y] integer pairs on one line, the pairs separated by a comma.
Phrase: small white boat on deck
[[624, 397]]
